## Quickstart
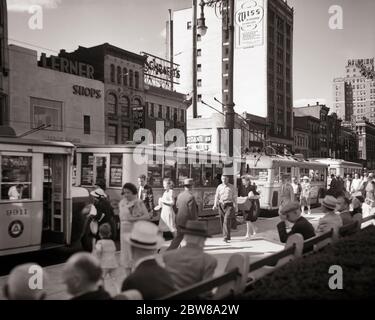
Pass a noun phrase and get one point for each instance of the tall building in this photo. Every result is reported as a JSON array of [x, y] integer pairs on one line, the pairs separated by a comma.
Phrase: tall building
[[354, 94], [263, 63], [4, 64]]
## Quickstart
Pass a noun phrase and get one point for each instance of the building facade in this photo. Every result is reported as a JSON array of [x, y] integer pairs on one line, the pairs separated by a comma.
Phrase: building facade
[[4, 65], [50, 104], [263, 71], [301, 141], [311, 126], [354, 94], [130, 103]]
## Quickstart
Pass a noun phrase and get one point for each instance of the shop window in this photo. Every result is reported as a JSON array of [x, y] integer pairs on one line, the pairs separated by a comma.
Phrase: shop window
[[16, 179], [112, 73], [170, 169], [112, 134], [196, 174], [86, 125], [87, 169], [125, 76], [112, 104], [207, 175], [47, 113], [115, 175], [154, 175], [183, 171]]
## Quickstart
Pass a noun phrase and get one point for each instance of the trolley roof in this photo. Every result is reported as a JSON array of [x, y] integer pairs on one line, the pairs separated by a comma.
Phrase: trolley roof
[[31, 142], [337, 162]]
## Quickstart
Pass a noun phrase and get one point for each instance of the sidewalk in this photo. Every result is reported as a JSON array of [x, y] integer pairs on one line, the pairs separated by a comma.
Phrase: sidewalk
[[265, 243]]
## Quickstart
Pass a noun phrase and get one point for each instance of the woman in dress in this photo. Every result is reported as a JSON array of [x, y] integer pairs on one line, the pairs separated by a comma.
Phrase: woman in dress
[[167, 203], [131, 209]]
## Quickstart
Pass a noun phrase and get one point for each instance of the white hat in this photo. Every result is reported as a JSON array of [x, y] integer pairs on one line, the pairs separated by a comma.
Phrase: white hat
[[144, 235], [306, 178], [98, 193]]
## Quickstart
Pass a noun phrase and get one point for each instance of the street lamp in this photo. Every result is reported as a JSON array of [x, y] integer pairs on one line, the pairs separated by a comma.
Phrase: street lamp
[[201, 23]]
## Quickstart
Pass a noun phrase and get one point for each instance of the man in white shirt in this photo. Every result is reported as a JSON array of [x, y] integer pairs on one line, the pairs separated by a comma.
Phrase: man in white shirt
[[15, 192], [356, 184]]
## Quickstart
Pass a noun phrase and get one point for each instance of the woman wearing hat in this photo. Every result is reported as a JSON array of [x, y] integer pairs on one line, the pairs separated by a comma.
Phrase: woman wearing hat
[[305, 195], [131, 209], [331, 219]]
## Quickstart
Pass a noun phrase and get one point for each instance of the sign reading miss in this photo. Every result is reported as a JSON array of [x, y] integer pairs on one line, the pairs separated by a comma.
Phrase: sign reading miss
[[160, 72]]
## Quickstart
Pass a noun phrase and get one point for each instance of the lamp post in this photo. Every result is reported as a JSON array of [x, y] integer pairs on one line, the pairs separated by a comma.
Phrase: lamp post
[[199, 26]]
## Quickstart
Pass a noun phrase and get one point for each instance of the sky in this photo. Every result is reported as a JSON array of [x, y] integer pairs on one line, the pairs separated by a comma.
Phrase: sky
[[320, 53]]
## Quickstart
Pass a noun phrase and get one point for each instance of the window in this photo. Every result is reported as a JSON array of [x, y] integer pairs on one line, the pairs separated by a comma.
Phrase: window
[[280, 39], [112, 134], [86, 125], [199, 52], [115, 173], [199, 83], [112, 71], [87, 169], [136, 76], [160, 111], [155, 175], [3, 113], [188, 25], [182, 115], [168, 113], [125, 76], [46, 112], [112, 104], [131, 78], [196, 174], [124, 106], [280, 53], [199, 98], [183, 173], [119, 76], [151, 107], [199, 37], [279, 68], [15, 183], [199, 67]]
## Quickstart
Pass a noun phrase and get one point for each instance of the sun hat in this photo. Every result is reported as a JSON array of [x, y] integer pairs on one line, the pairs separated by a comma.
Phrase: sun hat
[[98, 193], [144, 235], [329, 202], [289, 207], [196, 228], [188, 182]]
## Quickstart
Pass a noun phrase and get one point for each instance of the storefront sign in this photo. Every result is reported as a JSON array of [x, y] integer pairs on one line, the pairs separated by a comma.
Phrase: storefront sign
[[87, 92], [249, 23], [199, 139], [68, 66], [160, 72]]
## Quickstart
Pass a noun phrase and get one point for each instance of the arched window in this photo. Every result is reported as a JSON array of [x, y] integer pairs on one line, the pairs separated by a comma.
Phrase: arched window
[[119, 80], [111, 104], [125, 76], [124, 105], [112, 75], [136, 76], [130, 78]]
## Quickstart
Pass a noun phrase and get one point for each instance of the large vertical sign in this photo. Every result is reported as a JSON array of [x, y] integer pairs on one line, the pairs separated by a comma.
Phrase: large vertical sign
[[249, 18]]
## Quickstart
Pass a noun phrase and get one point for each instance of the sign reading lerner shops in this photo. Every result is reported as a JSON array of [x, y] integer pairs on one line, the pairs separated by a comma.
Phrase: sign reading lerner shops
[[249, 19]]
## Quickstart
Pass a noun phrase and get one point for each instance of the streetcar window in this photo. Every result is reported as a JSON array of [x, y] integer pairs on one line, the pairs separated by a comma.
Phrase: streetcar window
[[196, 174], [115, 176], [87, 169], [16, 180], [258, 174], [183, 173], [154, 175]]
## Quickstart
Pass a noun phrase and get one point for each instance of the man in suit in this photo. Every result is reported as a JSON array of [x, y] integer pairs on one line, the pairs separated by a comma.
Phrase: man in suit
[[145, 193], [149, 276], [82, 275], [187, 209], [291, 212], [190, 264]]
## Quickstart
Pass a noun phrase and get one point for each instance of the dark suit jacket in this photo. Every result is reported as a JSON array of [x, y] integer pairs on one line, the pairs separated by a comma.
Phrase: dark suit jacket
[[100, 294], [148, 197], [301, 226], [187, 208], [151, 280]]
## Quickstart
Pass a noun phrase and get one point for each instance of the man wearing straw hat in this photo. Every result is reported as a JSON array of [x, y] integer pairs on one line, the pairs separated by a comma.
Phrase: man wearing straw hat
[[305, 195], [190, 264], [149, 276], [187, 209], [226, 202]]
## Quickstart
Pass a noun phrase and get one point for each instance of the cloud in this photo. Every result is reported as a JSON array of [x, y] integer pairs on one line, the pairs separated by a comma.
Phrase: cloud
[[25, 5], [311, 101]]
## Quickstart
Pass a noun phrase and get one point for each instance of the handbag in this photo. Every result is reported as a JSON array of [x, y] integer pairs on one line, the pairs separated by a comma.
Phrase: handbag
[[94, 227]]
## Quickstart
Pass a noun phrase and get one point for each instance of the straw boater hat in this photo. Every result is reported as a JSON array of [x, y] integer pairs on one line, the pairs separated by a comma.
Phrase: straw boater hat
[[306, 178], [188, 182], [196, 228], [98, 193], [144, 235], [289, 207], [329, 202]]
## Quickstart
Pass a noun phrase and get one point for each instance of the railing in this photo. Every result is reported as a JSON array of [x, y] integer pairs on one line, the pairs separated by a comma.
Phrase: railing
[[258, 269]]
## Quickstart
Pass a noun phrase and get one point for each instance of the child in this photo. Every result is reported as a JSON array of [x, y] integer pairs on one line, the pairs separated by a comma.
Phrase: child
[[105, 250]]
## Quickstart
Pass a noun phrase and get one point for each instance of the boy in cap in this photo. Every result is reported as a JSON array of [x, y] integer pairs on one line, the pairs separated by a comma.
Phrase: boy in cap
[[291, 212], [190, 264]]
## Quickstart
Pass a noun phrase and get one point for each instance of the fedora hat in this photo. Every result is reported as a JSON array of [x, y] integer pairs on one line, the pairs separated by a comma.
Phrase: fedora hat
[[329, 202], [289, 207], [188, 182], [196, 228], [98, 193], [144, 235]]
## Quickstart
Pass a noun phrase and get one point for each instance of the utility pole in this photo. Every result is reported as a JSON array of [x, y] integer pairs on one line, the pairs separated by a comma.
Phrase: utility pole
[[195, 95], [171, 57]]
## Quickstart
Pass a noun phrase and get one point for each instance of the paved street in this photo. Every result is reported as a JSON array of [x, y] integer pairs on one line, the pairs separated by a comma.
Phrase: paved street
[[266, 242]]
